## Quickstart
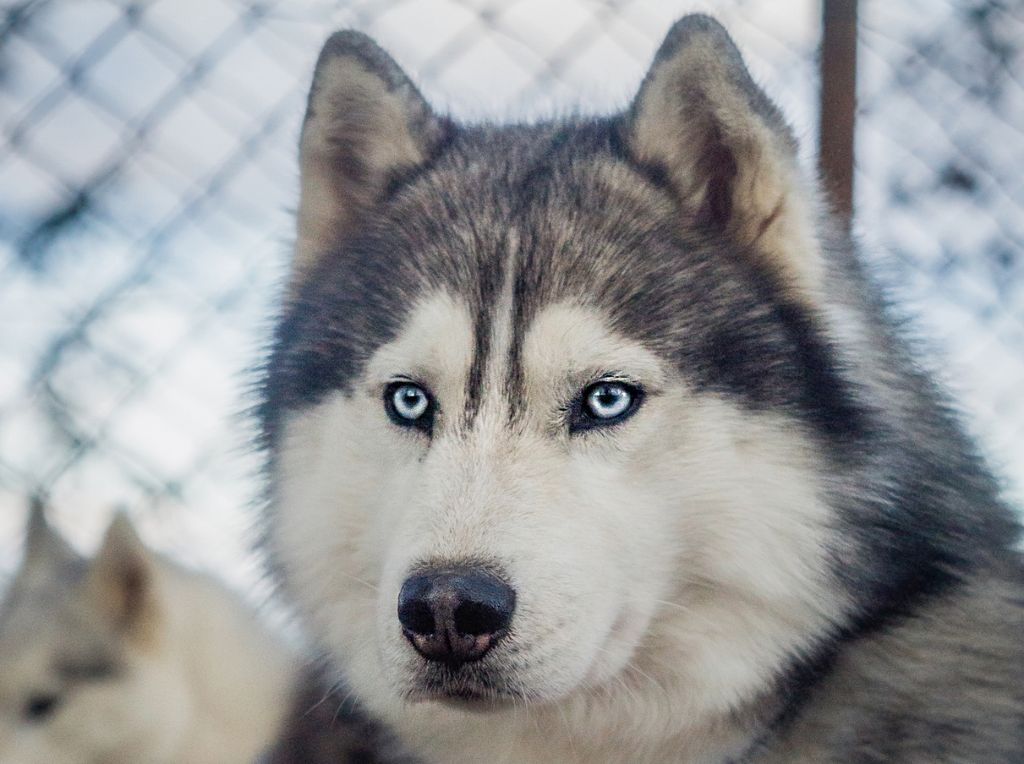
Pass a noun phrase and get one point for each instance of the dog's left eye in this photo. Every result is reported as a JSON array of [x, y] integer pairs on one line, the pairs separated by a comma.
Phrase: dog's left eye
[[605, 403], [409, 405], [40, 707]]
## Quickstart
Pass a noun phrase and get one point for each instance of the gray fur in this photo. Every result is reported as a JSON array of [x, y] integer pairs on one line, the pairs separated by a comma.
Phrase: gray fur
[[126, 657], [54, 638], [928, 664], [51, 581]]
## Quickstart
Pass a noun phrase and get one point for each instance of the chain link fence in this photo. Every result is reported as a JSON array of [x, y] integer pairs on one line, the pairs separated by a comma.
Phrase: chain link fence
[[941, 197], [147, 170]]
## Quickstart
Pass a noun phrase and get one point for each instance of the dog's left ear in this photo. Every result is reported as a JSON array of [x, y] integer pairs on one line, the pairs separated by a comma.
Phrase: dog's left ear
[[366, 124], [121, 581], [45, 549], [725, 148]]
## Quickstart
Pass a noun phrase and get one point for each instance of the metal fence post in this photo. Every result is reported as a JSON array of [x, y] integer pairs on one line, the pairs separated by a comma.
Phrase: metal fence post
[[838, 103]]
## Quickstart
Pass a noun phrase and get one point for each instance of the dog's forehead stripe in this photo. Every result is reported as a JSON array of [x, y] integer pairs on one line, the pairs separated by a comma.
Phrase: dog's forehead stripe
[[521, 292], [501, 291], [486, 316], [494, 336], [515, 379]]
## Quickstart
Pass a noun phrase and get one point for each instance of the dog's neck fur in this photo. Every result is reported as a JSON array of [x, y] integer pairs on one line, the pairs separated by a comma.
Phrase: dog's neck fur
[[239, 676], [828, 501]]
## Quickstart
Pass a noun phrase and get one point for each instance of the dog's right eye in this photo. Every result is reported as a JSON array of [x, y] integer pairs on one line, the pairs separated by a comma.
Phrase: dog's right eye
[[409, 405], [40, 707]]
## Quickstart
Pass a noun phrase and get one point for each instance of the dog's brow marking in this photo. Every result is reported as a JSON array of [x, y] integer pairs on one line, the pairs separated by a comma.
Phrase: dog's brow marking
[[481, 345], [489, 278], [493, 328]]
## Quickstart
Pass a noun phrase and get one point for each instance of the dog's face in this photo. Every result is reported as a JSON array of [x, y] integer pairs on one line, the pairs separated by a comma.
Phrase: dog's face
[[83, 677], [545, 404]]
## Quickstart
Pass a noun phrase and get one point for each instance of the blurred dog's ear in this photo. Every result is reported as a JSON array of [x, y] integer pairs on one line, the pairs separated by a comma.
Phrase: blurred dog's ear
[[365, 125], [724, 147], [45, 549], [121, 581]]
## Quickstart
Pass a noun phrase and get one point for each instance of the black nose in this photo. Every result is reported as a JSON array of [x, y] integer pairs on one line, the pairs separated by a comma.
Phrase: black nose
[[455, 615]]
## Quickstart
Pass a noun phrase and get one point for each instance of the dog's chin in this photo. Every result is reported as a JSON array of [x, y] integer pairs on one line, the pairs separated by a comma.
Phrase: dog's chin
[[476, 692], [477, 688], [462, 699], [484, 686]]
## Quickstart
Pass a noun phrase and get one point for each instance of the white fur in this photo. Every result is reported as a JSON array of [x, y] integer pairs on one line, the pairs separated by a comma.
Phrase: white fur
[[665, 569]]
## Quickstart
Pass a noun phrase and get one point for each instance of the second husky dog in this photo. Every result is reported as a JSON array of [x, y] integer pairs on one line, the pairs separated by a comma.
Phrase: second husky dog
[[591, 441], [130, 659]]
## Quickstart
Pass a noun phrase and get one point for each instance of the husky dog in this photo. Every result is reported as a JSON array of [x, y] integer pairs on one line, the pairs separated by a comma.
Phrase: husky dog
[[591, 441], [128, 658]]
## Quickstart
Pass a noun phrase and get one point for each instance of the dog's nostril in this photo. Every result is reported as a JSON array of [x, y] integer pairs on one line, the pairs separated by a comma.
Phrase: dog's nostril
[[476, 618], [416, 616]]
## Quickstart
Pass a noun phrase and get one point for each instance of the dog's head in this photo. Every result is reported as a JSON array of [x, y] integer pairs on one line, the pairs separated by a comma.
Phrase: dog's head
[[84, 674], [547, 402]]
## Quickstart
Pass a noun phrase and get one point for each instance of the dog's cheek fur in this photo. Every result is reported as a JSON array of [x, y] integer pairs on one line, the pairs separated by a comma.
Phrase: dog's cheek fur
[[754, 586], [345, 479], [715, 515], [336, 488]]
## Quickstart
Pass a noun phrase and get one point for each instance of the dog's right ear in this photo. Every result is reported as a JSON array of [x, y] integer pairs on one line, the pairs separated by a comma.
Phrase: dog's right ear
[[366, 124], [45, 549], [121, 581], [725, 149]]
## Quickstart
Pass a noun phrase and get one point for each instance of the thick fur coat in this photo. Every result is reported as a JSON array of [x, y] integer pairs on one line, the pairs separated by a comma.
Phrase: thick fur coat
[[782, 548]]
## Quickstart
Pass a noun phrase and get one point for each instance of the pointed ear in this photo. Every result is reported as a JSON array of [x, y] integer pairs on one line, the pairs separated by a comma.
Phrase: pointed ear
[[121, 582], [45, 549], [725, 148], [365, 125]]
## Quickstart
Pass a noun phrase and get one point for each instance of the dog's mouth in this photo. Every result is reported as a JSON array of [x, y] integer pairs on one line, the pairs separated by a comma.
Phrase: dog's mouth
[[477, 690]]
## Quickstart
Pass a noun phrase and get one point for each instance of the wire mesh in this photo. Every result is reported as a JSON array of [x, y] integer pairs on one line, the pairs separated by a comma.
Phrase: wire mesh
[[148, 168]]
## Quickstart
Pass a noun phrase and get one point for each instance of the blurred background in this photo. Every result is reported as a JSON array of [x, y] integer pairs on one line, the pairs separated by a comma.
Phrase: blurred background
[[148, 173]]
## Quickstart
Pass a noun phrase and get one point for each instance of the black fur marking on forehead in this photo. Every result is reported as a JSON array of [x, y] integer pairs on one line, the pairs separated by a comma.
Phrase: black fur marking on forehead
[[532, 189], [492, 273], [515, 379]]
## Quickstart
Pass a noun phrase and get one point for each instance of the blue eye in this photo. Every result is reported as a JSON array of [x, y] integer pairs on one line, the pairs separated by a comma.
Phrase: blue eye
[[608, 400], [409, 405], [605, 403], [410, 402]]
